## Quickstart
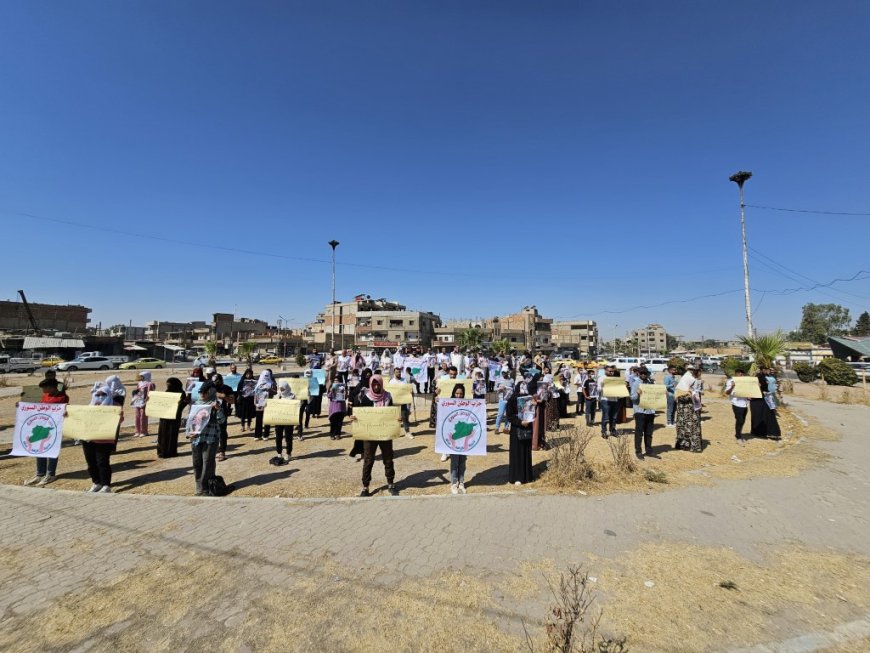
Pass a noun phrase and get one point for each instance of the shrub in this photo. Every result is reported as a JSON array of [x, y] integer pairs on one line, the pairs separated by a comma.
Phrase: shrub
[[731, 365], [679, 363], [568, 466], [300, 359], [806, 372], [837, 372]]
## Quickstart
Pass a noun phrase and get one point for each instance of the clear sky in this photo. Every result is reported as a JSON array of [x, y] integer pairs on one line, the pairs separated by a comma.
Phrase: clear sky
[[472, 157]]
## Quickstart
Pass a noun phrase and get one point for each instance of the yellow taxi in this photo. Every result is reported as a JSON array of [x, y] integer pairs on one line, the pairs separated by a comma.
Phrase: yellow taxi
[[271, 360], [51, 360]]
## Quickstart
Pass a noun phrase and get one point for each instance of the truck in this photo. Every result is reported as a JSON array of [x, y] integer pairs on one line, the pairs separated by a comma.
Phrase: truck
[[9, 365]]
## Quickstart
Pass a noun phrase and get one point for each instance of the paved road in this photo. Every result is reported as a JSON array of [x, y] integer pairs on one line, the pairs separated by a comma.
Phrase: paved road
[[826, 507]]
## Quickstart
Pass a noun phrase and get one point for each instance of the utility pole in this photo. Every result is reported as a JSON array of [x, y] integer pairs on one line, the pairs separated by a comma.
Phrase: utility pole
[[333, 244], [741, 178]]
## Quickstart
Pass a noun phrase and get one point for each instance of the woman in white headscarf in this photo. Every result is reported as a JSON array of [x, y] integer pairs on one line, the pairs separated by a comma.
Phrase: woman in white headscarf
[[688, 419], [282, 431], [138, 401], [98, 452], [264, 389]]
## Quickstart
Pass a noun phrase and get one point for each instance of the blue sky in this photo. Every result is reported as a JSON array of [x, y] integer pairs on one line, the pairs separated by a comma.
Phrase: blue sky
[[471, 157]]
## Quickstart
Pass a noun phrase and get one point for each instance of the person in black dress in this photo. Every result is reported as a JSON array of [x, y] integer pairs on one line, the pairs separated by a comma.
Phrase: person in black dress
[[167, 431], [520, 453]]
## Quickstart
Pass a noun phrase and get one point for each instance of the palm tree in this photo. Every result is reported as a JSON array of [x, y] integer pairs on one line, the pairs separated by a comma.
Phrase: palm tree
[[471, 338], [766, 348], [245, 349], [211, 351], [501, 346]]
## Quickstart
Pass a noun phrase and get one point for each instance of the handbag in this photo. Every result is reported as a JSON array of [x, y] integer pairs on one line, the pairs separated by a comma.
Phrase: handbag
[[524, 433]]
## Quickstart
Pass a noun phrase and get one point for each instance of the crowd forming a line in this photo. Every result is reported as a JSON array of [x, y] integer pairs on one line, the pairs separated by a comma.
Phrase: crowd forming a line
[[532, 394]]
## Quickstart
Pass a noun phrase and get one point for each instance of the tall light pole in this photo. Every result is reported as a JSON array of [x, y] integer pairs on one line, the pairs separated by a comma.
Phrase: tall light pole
[[614, 339], [741, 178], [333, 244]]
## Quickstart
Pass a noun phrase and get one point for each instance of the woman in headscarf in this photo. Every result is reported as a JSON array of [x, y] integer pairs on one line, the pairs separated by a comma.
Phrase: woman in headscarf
[[285, 431], [763, 420], [98, 452], [386, 363], [457, 460], [138, 400], [246, 398], [264, 389], [356, 450], [375, 395], [688, 398], [167, 429], [520, 451]]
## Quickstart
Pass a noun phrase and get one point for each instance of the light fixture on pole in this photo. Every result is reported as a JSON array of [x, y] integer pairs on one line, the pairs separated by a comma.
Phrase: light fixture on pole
[[333, 244], [614, 339], [741, 178]]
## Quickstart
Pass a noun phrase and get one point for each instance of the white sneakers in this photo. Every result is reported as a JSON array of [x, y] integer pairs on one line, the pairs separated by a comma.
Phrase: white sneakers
[[106, 489], [409, 435], [444, 457], [454, 488], [286, 457], [94, 488], [45, 480], [33, 481], [462, 488]]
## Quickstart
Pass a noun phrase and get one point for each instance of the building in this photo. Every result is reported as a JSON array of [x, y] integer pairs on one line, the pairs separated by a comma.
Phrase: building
[[581, 335], [525, 329], [371, 323], [68, 318], [850, 348], [652, 339], [125, 331], [224, 328]]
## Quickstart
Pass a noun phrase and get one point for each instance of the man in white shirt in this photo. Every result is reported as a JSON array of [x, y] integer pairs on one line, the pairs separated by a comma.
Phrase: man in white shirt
[[457, 360], [343, 365], [430, 361], [740, 406], [579, 379]]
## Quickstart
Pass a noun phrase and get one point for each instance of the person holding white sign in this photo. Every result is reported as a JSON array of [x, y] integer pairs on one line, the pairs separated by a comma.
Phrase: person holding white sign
[[205, 432], [285, 431], [46, 468], [644, 418], [739, 406], [405, 408], [98, 452]]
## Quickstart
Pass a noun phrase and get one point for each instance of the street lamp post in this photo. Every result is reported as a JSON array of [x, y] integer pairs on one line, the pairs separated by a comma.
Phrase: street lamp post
[[333, 244], [741, 178], [614, 339]]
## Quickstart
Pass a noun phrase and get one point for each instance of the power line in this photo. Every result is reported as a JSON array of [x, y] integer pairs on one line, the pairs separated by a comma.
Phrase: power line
[[779, 208], [224, 248], [798, 275]]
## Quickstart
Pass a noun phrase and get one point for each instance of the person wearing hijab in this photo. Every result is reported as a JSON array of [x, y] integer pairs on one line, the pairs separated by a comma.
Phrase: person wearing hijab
[[225, 397], [204, 443], [285, 431], [356, 450], [763, 422], [688, 418], [98, 452], [386, 362], [504, 388], [264, 389], [167, 429], [375, 395], [246, 398], [457, 460], [138, 401], [337, 408], [520, 441]]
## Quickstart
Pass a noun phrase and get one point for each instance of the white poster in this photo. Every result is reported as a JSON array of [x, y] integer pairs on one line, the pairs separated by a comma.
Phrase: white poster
[[461, 427], [38, 430], [418, 369], [198, 418]]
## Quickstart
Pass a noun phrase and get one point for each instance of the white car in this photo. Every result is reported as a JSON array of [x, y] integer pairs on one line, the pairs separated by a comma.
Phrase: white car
[[89, 363]]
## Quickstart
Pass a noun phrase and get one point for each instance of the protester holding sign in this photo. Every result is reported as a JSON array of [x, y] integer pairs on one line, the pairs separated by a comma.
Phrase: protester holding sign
[[167, 429], [644, 418], [764, 422], [373, 396], [225, 395], [688, 396], [337, 396], [46, 467], [285, 431], [98, 452], [264, 389], [610, 400], [245, 392], [138, 401], [739, 406], [204, 430], [405, 408], [521, 420]]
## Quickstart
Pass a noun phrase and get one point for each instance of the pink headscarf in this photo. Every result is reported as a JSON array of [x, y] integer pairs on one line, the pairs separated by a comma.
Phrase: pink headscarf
[[379, 395]]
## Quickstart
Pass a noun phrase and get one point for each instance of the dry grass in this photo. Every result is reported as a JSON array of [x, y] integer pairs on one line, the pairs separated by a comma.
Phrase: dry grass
[[568, 466]]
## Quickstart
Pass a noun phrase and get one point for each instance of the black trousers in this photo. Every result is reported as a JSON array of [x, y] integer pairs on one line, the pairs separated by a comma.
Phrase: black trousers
[[304, 415], [370, 450], [258, 426], [581, 403], [739, 420], [284, 432], [97, 457], [430, 380], [335, 422], [643, 429], [591, 407]]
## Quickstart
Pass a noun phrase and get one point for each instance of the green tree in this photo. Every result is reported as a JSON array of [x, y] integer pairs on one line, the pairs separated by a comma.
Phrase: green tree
[[211, 351], [822, 320], [502, 346], [245, 350], [837, 372], [765, 348], [862, 325], [471, 338]]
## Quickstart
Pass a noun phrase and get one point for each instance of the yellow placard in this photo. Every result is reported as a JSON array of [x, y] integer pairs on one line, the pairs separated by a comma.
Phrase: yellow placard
[[91, 422], [299, 388], [613, 387], [447, 385], [283, 412], [746, 387], [377, 423], [162, 405], [401, 393], [653, 397]]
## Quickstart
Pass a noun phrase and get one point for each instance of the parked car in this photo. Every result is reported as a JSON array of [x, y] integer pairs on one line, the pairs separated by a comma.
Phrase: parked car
[[271, 360], [88, 363], [143, 364], [9, 365], [51, 360]]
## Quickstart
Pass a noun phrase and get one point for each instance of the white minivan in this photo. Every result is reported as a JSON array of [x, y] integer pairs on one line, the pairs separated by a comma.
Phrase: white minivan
[[627, 363]]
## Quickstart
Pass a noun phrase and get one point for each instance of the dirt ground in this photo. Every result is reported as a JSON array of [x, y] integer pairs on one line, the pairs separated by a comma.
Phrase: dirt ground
[[320, 467]]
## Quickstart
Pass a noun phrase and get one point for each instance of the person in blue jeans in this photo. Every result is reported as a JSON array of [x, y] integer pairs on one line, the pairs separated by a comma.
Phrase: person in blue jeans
[[609, 407], [504, 386], [670, 383]]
